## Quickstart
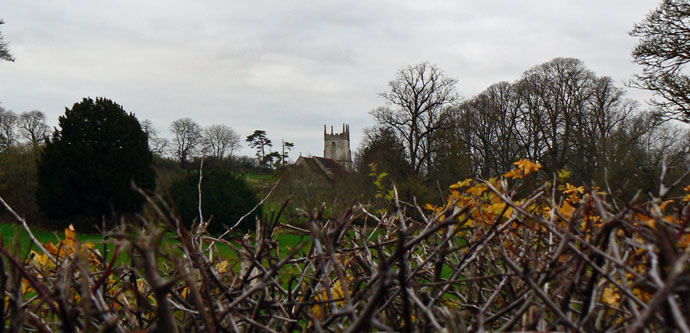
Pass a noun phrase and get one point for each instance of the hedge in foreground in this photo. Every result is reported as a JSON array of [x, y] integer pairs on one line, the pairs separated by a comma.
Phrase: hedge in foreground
[[559, 257]]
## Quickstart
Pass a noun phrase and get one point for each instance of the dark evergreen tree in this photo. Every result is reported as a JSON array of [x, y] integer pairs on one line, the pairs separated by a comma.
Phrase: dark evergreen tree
[[382, 147], [88, 167], [259, 141]]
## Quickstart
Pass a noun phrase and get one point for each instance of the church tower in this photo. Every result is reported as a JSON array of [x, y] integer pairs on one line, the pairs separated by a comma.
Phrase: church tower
[[337, 146]]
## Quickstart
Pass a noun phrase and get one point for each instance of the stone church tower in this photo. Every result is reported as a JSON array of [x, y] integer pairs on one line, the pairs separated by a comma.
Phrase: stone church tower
[[337, 146]]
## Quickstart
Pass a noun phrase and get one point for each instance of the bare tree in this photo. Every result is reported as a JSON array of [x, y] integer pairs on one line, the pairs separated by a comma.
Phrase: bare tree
[[4, 50], [606, 111], [187, 138], [151, 132], [147, 127], [559, 113], [416, 105], [33, 127], [221, 139], [555, 94], [8, 124], [489, 122], [663, 52], [157, 145]]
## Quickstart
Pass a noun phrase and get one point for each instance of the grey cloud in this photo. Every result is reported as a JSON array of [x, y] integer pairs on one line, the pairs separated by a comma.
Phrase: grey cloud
[[290, 66]]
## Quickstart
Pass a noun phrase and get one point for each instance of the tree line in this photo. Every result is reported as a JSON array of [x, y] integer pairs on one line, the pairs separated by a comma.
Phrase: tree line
[[558, 113], [98, 158], [30, 126], [189, 139]]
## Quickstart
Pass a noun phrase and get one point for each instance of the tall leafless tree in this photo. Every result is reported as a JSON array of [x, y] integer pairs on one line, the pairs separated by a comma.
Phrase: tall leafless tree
[[33, 127], [4, 50], [416, 108], [221, 139], [148, 128], [605, 113], [663, 52], [491, 119], [8, 128], [560, 114], [188, 137], [157, 145], [557, 92]]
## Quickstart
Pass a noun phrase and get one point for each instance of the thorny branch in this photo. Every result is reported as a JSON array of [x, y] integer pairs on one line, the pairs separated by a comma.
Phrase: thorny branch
[[493, 257]]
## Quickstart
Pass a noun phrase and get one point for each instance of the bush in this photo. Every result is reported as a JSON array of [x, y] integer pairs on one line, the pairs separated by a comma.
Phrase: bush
[[88, 167], [224, 196]]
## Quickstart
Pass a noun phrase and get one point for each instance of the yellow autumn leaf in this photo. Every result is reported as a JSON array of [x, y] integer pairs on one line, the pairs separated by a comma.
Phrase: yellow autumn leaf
[[527, 166], [26, 287], [563, 174], [338, 296], [567, 210], [495, 198], [647, 220], [642, 295], [570, 188], [222, 267], [70, 241], [51, 248], [497, 208], [513, 174], [477, 190], [684, 241], [665, 204], [42, 260], [611, 296], [461, 184]]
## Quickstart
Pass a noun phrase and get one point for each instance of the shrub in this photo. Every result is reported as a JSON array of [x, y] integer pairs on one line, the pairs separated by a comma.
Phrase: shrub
[[224, 196]]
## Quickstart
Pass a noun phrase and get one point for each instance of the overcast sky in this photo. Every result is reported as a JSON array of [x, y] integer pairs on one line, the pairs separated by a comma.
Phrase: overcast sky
[[289, 67]]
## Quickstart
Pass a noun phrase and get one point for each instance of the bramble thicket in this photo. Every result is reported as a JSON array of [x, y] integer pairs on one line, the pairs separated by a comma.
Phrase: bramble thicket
[[508, 253]]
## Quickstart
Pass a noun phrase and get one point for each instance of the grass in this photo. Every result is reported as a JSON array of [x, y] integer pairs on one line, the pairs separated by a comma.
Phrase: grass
[[12, 231], [9, 232], [257, 180]]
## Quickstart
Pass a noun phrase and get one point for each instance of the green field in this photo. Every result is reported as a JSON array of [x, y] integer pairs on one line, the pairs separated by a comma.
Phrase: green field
[[259, 180], [11, 232]]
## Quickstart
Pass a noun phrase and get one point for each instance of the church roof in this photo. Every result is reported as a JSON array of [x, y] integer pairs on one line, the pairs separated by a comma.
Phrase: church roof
[[328, 168]]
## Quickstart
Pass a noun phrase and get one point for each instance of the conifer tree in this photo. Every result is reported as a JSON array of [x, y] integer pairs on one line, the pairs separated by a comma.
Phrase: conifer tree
[[88, 167]]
